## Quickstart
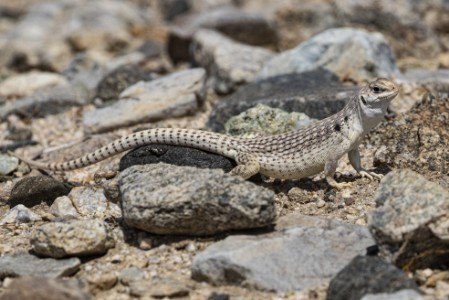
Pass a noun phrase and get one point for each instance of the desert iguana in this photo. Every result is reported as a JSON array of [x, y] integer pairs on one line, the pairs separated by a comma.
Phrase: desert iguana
[[297, 154]]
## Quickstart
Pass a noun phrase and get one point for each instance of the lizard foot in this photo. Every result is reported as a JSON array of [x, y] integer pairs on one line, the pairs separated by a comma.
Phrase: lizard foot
[[341, 185], [370, 175]]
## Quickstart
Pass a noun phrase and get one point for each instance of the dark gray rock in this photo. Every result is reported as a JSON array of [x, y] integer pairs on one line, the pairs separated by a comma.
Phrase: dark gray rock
[[172, 8], [418, 139], [174, 95], [318, 94], [24, 264], [248, 28], [228, 63], [410, 221], [34, 190], [114, 82], [176, 155], [299, 257], [368, 275], [166, 199], [406, 294], [72, 238], [36, 288], [350, 53]]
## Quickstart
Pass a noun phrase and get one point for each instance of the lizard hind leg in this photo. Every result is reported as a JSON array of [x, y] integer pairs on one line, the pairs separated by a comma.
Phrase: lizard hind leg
[[248, 166]]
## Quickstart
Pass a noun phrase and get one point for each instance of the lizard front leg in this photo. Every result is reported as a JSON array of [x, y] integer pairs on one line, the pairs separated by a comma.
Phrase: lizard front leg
[[354, 159]]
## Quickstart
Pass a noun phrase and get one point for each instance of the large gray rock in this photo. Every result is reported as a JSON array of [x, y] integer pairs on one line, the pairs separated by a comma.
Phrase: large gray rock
[[368, 275], [295, 258], [166, 199], [405, 294], [72, 238], [349, 53], [410, 223], [174, 95], [317, 94], [248, 28], [24, 264], [229, 63]]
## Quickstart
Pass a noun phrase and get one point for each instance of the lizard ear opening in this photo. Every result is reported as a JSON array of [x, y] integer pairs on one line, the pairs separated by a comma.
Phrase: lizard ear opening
[[363, 99]]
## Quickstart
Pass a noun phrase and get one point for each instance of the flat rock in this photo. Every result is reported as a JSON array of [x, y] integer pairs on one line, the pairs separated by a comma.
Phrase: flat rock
[[350, 53], [296, 258], [166, 199], [24, 264], [72, 238], [19, 214], [174, 95], [34, 190], [405, 294], [229, 63], [176, 155], [22, 85], [368, 275], [318, 94], [89, 201], [265, 120], [248, 28], [418, 139], [45, 289], [410, 223]]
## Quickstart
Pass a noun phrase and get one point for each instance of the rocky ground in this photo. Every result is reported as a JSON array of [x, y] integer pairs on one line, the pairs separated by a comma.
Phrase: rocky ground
[[169, 222]]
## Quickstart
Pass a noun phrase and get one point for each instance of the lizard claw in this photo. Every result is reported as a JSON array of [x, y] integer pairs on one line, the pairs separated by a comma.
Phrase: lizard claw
[[370, 175]]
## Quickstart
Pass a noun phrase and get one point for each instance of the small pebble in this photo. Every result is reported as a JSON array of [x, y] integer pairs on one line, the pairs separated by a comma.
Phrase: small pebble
[[321, 203]]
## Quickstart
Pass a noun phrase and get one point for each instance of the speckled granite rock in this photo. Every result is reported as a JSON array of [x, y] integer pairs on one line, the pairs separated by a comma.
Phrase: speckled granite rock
[[228, 63], [265, 120], [368, 275], [166, 199], [72, 238], [19, 214], [410, 223]]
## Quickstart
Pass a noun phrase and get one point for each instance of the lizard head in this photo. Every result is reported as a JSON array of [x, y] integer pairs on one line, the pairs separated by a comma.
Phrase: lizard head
[[373, 100]]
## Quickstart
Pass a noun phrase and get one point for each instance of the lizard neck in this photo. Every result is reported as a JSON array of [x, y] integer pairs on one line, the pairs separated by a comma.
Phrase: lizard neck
[[369, 116]]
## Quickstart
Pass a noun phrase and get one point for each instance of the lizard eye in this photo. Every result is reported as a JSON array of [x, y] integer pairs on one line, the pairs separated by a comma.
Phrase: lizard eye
[[377, 89]]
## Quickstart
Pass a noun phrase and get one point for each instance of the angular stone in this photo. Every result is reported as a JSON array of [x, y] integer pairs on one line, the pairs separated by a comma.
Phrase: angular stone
[[368, 275], [8, 164], [45, 289], [248, 28], [62, 207], [165, 199], [176, 155], [410, 223], [174, 95], [89, 201], [296, 258], [19, 214], [24, 264], [34, 190], [72, 238], [265, 120], [229, 63], [318, 94], [349, 53]]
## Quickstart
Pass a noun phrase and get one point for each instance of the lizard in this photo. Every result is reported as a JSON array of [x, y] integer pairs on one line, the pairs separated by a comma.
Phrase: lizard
[[296, 154]]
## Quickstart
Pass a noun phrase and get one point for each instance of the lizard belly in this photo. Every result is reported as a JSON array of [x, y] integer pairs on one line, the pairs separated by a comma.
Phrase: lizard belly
[[291, 170]]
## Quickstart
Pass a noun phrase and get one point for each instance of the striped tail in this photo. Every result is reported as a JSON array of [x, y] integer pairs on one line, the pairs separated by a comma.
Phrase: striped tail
[[203, 140]]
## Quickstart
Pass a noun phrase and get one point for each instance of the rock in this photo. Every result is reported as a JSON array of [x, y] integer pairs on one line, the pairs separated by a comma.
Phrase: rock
[[72, 238], [89, 201], [63, 207], [168, 287], [368, 275], [19, 214], [228, 62], [24, 264], [174, 95], [24, 85], [131, 274], [163, 199], [350, 53], [45, 289], [248, 28], [318, 94], [172, 8], [406, 294], [265, 120], [297, 258], [418, 139], [436, 81], [8, 164], [410, 221], [84, 73], [113, 83], [176, 155], [34, 190]]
